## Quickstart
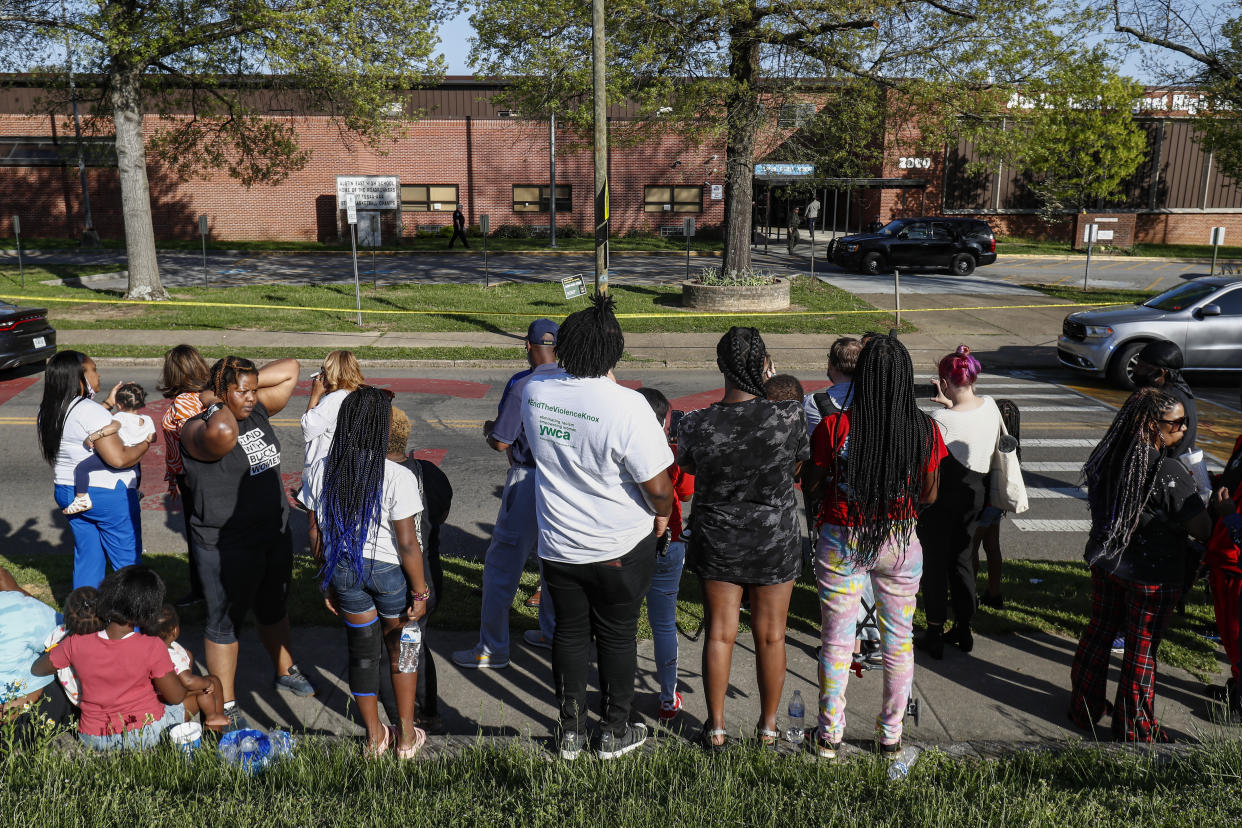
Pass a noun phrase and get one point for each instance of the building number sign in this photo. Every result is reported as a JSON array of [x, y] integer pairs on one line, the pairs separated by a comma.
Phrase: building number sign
[[908, 163]]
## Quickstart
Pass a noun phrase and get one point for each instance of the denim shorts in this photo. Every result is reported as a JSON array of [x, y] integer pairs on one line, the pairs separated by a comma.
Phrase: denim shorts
[[990, 516], [140, 737], [382, 588]]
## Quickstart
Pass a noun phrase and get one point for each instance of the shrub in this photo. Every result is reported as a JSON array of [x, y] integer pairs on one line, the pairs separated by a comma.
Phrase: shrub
[[735, 278], [512, 231], [568, 231]]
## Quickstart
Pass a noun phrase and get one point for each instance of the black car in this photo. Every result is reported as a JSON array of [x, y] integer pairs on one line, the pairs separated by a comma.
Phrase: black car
[[25, 336], [960, 244]]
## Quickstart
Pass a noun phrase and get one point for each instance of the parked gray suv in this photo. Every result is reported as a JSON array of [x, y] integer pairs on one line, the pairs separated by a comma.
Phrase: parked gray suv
[[1203, 317]]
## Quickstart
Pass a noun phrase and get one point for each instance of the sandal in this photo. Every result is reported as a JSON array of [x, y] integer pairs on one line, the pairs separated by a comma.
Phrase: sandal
[[420, 739], [768, 738], [376, 751], [707, 739]]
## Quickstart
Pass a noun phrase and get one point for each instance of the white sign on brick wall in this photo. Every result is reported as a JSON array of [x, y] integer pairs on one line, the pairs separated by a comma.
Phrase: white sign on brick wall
[[370, 192]]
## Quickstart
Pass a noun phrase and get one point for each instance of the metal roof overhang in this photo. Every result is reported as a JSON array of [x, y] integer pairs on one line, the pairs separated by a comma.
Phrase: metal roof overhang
[[845, 183]]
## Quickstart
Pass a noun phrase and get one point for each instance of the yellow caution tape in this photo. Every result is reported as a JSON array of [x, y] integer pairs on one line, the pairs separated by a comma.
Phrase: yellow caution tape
[[449, 312]]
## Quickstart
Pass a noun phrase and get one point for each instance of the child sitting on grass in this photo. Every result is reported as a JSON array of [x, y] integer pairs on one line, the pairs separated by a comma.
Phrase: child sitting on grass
[[117, 666], [203, 694], [134, 428], [81, 617]]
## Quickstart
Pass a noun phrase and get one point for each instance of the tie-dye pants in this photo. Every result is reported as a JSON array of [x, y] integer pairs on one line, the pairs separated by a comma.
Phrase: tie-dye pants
[[895, 578]]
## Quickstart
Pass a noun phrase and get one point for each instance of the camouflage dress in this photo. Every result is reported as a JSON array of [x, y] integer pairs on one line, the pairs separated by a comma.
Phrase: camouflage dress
[[744, 525]]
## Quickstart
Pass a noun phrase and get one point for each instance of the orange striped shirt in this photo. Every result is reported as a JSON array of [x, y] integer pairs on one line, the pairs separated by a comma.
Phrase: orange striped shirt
[[184, 406]]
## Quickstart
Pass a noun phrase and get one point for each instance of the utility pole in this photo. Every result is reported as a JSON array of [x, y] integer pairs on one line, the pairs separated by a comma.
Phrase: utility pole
[[552, 177], [90, 237], [601, 146]]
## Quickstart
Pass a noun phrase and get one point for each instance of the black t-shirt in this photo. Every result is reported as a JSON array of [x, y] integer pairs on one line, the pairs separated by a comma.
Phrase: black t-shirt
[[745, 523], [1157, 549], [239, 498]]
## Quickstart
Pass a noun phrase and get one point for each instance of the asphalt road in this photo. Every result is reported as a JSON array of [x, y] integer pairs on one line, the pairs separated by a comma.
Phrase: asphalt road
[[1062, 419], [225, 269]]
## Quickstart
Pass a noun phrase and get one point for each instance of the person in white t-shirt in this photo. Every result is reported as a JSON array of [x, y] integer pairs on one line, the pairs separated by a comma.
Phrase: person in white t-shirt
[[110, 532], [364, 524], [330, 385], [602, 496], [970, 425], [133, 428]]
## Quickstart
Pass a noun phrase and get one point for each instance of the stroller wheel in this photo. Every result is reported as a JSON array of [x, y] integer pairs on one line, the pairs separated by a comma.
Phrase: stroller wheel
[[912, 710]]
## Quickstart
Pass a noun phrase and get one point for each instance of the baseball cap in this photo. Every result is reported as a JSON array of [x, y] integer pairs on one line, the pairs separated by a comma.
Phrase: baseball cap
[[542, 332], [1162, 354]]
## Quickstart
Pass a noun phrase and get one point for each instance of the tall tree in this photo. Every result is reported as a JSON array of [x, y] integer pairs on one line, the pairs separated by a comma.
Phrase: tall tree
[[196, 64], [1198, 45], [1071, 133], [726, 65]]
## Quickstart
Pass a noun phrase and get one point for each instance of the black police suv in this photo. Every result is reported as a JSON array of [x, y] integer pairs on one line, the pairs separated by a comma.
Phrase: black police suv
[[25, 336], [959, 244]]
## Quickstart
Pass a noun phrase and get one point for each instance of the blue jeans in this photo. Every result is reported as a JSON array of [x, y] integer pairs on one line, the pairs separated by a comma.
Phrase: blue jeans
[[383, 588], [662, 615], [110, 532], [141, 737], [515, 537]]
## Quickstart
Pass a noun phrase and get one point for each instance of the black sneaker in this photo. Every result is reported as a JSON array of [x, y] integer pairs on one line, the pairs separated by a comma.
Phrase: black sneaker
[[962, 637], [572, 744], [295, 683], [932, 642], [996, 601], [610, 746], [236, 720]]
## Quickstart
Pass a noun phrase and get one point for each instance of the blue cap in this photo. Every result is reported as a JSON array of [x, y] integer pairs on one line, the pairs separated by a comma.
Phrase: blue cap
[[542, 332]]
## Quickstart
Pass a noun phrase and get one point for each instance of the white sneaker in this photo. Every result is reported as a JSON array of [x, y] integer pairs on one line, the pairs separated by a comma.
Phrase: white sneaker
[[80, 503], [535, 639], [476, 658]]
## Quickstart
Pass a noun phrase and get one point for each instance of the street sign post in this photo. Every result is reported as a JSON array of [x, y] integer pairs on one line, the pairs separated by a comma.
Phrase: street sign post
[[202, 231], [1218, 238], [17, 234], [1090, 234], [351, 215], [689, 231], [485, 227]]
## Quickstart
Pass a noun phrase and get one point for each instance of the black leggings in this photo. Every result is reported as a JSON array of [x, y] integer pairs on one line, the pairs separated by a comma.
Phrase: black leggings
[[945, 530]]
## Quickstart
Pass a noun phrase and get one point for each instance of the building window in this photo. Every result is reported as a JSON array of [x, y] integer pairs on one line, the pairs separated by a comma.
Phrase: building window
[[530, 198], [660, 199], [795, 115], [429, 198], [46, 152]]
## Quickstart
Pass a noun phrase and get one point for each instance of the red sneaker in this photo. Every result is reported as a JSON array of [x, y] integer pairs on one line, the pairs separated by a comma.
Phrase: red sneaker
[[670, 709]]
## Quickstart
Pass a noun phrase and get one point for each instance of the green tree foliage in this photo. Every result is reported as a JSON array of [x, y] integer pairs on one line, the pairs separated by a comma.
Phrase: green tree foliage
[[210, 69], [1071, 132], [725, 66]]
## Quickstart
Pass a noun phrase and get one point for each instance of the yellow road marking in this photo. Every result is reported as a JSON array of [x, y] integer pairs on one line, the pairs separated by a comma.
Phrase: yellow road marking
[[1154, 282]]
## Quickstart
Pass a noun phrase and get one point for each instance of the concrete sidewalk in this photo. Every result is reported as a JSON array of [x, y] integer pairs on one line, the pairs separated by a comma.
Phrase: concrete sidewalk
[[1012, 690]]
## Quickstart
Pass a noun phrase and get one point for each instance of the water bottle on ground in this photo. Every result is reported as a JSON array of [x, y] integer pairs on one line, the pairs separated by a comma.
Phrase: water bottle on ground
[[899, 766], [797, 714], [411, 643]]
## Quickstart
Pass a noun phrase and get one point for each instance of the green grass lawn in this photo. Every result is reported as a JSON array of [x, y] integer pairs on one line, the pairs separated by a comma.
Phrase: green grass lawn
[[421, 243], [1043, 247], [327, 783], [507, 307], [1103, 296], [1040, 596]]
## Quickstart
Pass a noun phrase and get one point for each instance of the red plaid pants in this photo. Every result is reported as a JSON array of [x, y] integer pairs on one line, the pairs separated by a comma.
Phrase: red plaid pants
[[1141, 613]]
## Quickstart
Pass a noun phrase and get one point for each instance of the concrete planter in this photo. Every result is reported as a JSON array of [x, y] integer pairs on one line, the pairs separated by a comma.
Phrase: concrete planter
[[742, 298]]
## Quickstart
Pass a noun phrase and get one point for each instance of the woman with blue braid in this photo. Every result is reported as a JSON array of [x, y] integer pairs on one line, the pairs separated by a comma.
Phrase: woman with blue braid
[[364, 512]]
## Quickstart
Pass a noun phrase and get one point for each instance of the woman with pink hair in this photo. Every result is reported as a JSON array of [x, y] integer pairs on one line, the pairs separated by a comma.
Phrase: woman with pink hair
[[971, 426]]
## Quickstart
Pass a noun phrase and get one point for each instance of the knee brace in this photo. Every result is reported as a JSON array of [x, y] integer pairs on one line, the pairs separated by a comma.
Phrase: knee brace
[[365, 644]]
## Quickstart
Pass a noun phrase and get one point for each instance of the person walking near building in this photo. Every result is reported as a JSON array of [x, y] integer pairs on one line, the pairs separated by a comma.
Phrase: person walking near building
[[601, 487], [744, 452], [1143, 504], [812, 215], [873, 465], [791, 232], [516, 533], [459, 228]]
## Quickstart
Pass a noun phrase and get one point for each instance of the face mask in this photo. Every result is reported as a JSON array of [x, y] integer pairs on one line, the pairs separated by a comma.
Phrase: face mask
[[90, 392]]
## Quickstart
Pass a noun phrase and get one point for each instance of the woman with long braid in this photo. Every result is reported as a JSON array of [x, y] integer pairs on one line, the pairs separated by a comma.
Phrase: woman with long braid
[[874, 463], [1143, 503], [364, 525], [239, 516], [744, 530]]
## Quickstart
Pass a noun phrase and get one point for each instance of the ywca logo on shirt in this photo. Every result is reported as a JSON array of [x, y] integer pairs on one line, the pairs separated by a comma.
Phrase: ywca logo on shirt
[[261, 454]]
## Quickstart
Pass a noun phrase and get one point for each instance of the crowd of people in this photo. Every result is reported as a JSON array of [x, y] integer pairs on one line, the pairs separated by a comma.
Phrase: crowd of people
[[897, 502]]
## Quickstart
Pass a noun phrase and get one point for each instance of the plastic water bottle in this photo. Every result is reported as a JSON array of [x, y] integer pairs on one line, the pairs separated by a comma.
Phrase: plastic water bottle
[[797, 712], [411, 642], [899, 765]]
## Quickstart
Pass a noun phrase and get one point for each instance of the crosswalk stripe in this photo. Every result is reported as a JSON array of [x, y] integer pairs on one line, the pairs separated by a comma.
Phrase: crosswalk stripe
[[1051, 466], [1038, 525], [1086, 409], [1056, 493], [1058, 442]]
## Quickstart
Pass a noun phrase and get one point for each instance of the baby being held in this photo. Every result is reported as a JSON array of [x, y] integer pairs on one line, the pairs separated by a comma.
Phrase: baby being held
[[133, 428]]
